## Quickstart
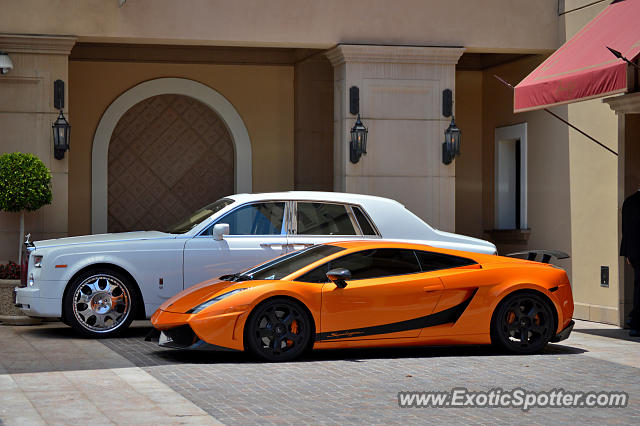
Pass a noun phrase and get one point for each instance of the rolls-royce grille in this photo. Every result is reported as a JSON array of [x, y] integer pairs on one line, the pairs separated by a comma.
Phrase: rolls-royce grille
[[24, 266]]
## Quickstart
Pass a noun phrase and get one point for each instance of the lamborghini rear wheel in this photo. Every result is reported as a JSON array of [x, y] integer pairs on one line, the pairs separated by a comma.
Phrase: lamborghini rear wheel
[[278, 330], [523, 323]]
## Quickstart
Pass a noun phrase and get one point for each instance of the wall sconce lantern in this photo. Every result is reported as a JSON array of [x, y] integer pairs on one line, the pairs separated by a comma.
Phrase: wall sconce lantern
[[6, 64], [61, 127], [451, 144], [61, 135], [358, 144]]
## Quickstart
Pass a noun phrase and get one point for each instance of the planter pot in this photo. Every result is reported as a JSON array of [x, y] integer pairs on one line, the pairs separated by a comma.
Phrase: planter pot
[[9, 314]]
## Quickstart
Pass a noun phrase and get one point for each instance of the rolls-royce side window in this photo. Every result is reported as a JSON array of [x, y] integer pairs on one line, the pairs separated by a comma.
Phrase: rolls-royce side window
[[363, 221], [255, 219], [323, 219], [368, 264]]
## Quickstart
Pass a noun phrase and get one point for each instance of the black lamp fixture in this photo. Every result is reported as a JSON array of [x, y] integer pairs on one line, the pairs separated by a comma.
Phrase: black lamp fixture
[[358, 144], [61, 127], [451, 144]]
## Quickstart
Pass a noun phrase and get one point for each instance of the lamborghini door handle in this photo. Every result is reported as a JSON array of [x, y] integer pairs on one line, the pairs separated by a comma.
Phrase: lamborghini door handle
[[433, 287]]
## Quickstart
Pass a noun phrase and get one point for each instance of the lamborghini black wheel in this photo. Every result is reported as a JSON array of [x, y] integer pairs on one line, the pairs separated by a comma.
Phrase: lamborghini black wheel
[[278, 330], [523, 323]]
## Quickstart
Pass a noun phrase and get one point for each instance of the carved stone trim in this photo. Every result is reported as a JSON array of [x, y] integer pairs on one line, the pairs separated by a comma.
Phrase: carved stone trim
[[53, 45], [394, 54], [624, 104]]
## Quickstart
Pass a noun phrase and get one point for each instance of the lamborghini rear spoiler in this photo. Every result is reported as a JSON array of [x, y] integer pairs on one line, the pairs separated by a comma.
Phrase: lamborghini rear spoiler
[[546, 255]]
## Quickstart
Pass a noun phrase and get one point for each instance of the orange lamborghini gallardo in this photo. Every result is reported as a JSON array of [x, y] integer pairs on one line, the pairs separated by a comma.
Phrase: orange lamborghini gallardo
[[372, 294]]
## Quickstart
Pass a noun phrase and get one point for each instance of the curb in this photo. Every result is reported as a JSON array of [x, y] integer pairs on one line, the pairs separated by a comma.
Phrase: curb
[[19, 320]]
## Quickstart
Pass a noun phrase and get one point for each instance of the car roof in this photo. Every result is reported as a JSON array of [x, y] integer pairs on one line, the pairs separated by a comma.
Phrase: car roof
[[357, 245], [340, 197], [372, 244]]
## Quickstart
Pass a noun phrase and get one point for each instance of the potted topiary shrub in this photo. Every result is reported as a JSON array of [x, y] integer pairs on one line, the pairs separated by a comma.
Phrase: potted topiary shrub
[[25, 185]]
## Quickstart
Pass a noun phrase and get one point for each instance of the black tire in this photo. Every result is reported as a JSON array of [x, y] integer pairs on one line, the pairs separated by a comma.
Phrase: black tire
[[523, 323], [100, 303], [278, 330]]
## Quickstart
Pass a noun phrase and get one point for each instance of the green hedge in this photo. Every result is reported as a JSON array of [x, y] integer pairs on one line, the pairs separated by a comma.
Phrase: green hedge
[[25, 182]]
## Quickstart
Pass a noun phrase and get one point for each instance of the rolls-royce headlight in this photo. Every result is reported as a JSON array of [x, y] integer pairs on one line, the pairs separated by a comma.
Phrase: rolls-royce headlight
[[37, 261], [214, 300]]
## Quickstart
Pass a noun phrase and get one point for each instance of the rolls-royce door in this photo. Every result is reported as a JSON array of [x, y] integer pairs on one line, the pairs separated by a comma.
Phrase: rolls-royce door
[[257, 233], [319, 222]]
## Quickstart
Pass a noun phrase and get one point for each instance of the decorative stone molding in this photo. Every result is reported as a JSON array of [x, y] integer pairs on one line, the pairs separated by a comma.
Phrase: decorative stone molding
[[624, 104], [160, 86], [52, 45], [401, 101], [394, 54]]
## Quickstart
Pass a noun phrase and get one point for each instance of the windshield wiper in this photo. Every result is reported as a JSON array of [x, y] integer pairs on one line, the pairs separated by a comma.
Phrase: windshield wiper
[[235, 277]]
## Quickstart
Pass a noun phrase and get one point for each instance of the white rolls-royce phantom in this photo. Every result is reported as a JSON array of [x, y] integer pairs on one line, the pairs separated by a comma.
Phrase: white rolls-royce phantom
[[99, 283]]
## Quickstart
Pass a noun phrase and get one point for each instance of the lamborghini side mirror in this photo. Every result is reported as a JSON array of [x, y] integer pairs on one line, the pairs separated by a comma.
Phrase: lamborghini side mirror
[[339, 276]]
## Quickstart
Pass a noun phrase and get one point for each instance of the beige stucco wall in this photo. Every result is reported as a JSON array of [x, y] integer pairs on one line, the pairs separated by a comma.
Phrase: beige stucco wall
[[572, 182], [314, 124], [488, 25], [26, 115], [93, 86], [548, 195], [594, 206], [469, 182], [594, 190]]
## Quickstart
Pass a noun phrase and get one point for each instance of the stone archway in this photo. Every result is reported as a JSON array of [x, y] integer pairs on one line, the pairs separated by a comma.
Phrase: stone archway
[[161, 86], [168, 155]]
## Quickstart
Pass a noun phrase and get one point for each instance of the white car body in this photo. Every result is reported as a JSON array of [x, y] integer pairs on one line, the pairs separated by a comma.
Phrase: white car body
[[163, 264]]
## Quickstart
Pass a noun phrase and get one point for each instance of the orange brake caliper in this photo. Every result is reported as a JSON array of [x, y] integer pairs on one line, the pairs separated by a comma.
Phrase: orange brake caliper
[[294, 330]]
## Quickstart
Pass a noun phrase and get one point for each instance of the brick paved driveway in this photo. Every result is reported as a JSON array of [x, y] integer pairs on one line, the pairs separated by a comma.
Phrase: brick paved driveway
[[362, 385]]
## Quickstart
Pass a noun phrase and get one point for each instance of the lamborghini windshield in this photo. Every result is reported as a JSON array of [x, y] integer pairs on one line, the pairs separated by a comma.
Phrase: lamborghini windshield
[[284, 265], [191, 221]]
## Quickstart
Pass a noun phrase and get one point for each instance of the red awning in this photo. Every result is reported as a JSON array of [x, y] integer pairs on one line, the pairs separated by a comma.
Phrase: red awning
[[583, 67]]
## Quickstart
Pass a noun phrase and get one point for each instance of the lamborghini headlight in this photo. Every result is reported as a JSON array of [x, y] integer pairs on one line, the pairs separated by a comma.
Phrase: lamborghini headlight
[[214, 300]]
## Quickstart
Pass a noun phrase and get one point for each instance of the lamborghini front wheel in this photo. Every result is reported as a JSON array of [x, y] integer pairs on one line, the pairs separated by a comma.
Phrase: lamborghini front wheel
[[278, 330]]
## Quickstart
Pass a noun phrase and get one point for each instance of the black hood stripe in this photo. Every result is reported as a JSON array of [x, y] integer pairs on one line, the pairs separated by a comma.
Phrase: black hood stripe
[[450, 315]]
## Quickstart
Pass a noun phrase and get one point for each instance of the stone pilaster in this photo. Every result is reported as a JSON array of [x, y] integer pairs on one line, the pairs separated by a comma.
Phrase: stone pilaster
[[26, 115], [623, 105], [401, 105]]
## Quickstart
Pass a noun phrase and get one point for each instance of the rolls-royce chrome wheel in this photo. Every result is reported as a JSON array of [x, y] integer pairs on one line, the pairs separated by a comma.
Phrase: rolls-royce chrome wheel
[[99, 304]]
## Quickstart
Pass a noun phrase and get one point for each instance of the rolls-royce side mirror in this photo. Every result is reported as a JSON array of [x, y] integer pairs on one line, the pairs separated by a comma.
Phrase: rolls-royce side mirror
[[219, 230], [339, 276]]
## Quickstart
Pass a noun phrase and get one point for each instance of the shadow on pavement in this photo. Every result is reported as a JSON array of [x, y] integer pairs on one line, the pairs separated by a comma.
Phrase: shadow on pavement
[[131, 346], [145, 354], [614, 333]]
